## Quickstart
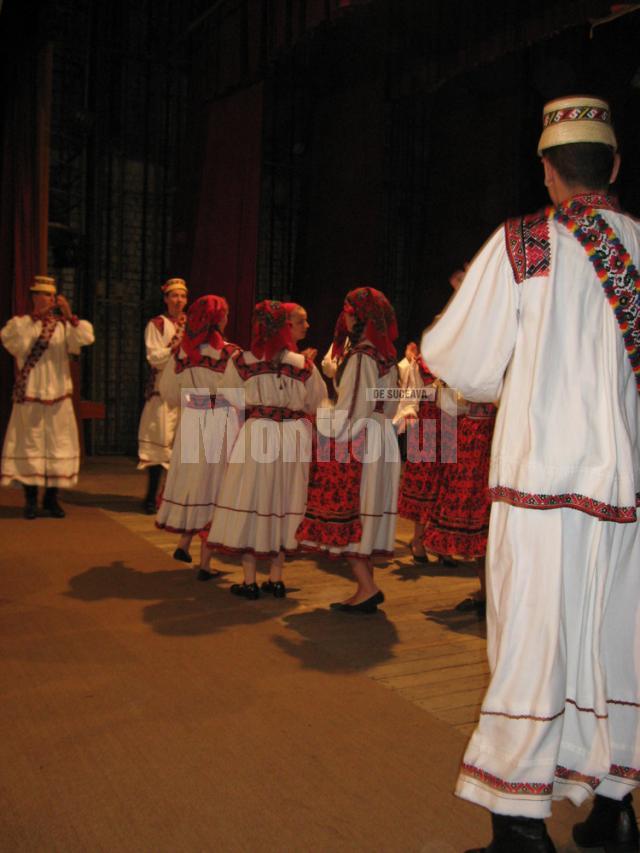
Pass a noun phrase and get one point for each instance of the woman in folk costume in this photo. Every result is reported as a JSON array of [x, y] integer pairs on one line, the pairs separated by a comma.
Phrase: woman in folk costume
[[159, 420], [423, 423], [264, 490], [206, 428], [353, 489], [458, 520], [41, 444]]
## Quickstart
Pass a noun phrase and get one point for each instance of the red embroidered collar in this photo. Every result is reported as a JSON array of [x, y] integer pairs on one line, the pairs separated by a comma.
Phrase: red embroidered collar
[[599, 200]]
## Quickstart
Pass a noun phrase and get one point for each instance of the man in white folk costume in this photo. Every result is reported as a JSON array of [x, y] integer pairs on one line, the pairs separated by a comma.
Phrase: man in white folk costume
[[159, 420], [41, 445], [548, 320]]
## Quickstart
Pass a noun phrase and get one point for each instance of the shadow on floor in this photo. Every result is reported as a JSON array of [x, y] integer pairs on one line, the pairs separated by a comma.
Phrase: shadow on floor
[[331, 641], [461, 623], [182, 605], [111, 502]]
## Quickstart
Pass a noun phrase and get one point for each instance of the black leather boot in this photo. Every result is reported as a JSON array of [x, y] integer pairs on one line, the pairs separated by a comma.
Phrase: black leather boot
[[51, 505], [517, 835], [30, 501], [611, 824], [154, 473]]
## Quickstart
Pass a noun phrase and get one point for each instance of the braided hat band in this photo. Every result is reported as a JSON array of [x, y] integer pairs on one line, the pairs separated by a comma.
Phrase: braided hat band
[[580, 118]]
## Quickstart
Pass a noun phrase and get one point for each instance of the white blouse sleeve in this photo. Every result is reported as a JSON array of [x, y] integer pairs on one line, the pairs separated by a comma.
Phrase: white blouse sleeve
[[410, 380], [329, 364], [231, 386], [19, 335], [352, 405], [470, 346], [315, 391], [79, 335], [158, 353]]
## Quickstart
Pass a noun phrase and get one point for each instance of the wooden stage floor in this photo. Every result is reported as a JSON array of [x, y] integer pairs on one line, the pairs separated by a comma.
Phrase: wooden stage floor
[[371, 713]]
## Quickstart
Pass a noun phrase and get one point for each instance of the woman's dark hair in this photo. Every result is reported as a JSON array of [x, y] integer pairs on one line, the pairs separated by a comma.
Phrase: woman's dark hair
[[586, 164]]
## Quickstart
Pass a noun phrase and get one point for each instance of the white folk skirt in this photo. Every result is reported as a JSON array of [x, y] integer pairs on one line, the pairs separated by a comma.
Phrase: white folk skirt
[[156, 432], [264, 491], [41, 445], [561, 717]]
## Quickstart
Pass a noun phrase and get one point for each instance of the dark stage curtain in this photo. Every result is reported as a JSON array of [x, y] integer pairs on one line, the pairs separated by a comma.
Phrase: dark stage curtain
[[225, 240], [24, 66]]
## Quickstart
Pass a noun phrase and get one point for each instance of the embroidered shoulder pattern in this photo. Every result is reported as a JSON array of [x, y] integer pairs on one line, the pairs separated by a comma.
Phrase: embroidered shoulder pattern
[[528, 246], [384, 364], [216, 365], [260, 368], [158, 322]]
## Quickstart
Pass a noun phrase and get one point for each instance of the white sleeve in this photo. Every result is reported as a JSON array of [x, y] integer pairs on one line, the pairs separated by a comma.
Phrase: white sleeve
[[158, 353], [315, 391], [410, 381], [169, 385], [19, 335], [352, 405], [470, 346], [231, 386], [78, 336], [329, 364]]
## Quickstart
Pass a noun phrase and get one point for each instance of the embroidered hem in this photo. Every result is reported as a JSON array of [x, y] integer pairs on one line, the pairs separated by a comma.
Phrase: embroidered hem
[[599, 509], [312, 548], [183, 530], [330, 533]]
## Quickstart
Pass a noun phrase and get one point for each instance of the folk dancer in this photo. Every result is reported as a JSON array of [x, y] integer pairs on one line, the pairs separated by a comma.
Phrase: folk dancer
[[159, 420], [548, 320], [41, 445], [353, 490], [206, 429], [264, 491]]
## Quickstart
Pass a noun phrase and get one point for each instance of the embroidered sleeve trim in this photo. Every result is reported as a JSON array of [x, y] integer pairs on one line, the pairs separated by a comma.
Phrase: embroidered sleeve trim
[[591, 506], [528, 246]]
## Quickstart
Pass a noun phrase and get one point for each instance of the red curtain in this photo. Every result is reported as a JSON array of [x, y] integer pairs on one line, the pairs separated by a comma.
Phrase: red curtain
[[23, 201], [225, 242]]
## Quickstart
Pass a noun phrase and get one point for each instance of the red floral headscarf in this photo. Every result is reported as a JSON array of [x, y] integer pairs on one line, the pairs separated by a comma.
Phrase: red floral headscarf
[[202, 326], [372, 308], [270, 329]]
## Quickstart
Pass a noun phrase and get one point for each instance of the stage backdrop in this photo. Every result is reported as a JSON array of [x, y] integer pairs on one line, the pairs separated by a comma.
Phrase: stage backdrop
[[225, 236]]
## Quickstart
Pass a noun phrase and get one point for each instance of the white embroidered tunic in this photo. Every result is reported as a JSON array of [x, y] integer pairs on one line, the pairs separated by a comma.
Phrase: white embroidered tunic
[[568, 428], [159, 420], [205, 435], [41, 444], [264, 491]]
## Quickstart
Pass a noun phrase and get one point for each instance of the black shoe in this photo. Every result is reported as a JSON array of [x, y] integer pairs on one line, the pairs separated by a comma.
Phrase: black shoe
[[370, 605], [517, 835], [206, 575], [150, 507], [245, 590], [472, 605], [418, 558], [182, 555], [611, 824], [51, 505], [30, 511], [275, 588]]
